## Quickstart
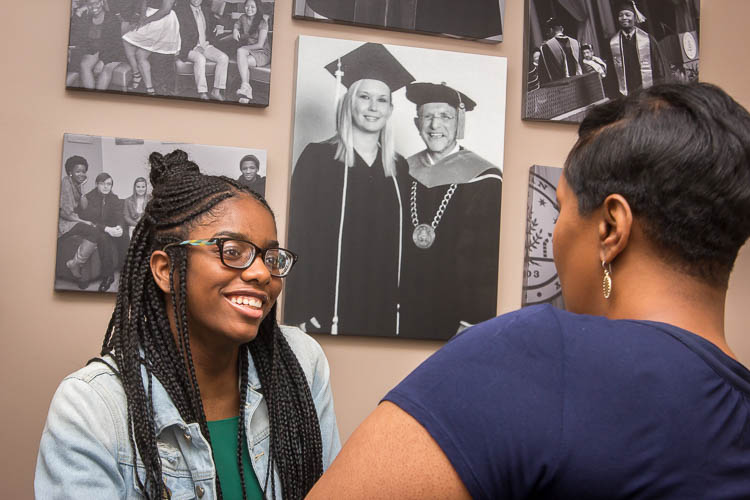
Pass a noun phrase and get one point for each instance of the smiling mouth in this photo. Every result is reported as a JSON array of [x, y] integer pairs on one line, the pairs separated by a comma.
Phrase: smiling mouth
[[245, 301], [248, 306]]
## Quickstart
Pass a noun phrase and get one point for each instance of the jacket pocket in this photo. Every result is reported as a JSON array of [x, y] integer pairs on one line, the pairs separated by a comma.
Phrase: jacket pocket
[[176, 475]]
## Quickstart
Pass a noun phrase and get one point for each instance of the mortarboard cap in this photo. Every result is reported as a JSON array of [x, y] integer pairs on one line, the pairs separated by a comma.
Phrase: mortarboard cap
[[630, 5], [371, 61], [625, 5], [552, 22], [421, 92]]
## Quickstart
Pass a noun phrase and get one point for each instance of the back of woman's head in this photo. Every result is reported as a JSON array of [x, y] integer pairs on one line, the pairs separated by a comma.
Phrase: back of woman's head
[[680, 155]]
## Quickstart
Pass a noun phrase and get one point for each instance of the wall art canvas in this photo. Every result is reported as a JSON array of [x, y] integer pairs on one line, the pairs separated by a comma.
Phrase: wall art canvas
[[480, 20], [212, 50], [540, 281], [104, 190], [395, 211], [581, 53]]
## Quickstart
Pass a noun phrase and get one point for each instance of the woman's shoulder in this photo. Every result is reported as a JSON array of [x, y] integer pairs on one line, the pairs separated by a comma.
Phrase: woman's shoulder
[[320, 148], [94, 384], [99, 371], [301, 343], [316, 154], [308, 351]]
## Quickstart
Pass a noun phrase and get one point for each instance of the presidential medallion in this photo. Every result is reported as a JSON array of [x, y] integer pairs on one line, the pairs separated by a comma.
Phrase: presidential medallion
[[423, 236]]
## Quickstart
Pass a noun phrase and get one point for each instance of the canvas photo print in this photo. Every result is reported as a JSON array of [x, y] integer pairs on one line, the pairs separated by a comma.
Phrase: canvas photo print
[[580, 54], [540, 281], [480, 20], [212, 50], [394, 204], [104, 190]]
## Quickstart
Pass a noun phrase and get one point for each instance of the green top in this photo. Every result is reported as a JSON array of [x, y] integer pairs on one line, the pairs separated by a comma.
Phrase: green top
[[224, 444]]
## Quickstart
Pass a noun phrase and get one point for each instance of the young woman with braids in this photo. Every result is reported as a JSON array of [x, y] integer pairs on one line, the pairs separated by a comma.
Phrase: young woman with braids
[[159, 415]]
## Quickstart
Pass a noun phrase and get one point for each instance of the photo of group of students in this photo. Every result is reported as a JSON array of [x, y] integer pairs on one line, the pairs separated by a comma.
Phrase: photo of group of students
[[628, 44], [405, 170], [222, 48], [103, 194]]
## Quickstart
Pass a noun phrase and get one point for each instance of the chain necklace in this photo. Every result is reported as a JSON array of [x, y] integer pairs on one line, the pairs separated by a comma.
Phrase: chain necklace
[[424, 234]]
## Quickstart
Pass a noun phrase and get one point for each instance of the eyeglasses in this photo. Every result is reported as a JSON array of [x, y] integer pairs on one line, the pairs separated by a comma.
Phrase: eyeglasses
[[441, 117], [240, 254]]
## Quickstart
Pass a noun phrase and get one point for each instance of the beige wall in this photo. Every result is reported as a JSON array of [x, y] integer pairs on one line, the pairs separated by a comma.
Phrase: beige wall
[[46, 335]]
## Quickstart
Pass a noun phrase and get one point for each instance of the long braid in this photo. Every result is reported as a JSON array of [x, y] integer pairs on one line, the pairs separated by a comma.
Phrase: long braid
[[295, 440], [142, 342], [241, 435]]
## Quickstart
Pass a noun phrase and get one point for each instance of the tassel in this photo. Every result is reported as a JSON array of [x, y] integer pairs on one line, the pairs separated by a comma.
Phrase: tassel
[[461, 125], [639, 17], [337, 95]]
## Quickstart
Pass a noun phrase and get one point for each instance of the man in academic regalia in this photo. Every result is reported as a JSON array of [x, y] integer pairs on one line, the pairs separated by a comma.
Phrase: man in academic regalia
[[452, 199], [636, 56], [560, 54]]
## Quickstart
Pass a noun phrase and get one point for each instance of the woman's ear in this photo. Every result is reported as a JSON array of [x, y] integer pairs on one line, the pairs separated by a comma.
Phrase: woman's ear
[[615, 227], [160, 266]]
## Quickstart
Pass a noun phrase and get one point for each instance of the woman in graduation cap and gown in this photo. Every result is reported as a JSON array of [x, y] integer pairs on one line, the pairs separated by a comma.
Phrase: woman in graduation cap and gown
[[451, 235], [345, 217]]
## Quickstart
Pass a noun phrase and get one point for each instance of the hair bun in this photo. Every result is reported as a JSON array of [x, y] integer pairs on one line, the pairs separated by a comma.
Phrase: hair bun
[[176, 163]]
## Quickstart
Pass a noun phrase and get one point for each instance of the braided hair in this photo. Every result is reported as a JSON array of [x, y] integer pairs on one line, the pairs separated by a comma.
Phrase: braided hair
[[140, 340]]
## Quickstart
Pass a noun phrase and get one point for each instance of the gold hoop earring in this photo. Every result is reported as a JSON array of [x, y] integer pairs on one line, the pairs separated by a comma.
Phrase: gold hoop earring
[[607, 280]]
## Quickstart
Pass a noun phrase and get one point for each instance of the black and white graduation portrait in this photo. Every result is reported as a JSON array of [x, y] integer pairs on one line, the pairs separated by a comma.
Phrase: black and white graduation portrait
[[394, 205], [480, 20], [582, 53], [104, 190], [210, 50]]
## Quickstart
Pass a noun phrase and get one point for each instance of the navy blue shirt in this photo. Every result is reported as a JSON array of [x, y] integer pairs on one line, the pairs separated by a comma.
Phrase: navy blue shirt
[[542, 403]]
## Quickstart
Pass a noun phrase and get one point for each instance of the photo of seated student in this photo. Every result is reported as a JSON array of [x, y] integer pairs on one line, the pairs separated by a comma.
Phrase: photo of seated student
[[250, 176], [198, 35], [135, 204]]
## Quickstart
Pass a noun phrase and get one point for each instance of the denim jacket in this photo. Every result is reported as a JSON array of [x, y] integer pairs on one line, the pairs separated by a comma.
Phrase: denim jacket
[[85, 451]]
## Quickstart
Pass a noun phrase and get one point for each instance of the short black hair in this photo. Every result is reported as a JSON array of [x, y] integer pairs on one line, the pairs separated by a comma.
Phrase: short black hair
[[251, 158], [680, 155], [74, 160]]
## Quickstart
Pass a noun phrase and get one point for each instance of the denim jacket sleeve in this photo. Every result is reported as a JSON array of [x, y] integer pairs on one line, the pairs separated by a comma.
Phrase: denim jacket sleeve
[[315, 365], [78, 451]]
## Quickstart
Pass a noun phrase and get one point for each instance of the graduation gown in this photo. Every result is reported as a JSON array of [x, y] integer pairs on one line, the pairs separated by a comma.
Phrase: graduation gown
[[368, 270], [455, 280], [638, 62]]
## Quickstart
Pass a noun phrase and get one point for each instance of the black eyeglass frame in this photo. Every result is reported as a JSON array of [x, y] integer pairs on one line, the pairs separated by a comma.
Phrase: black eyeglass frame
[[220, 242]]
